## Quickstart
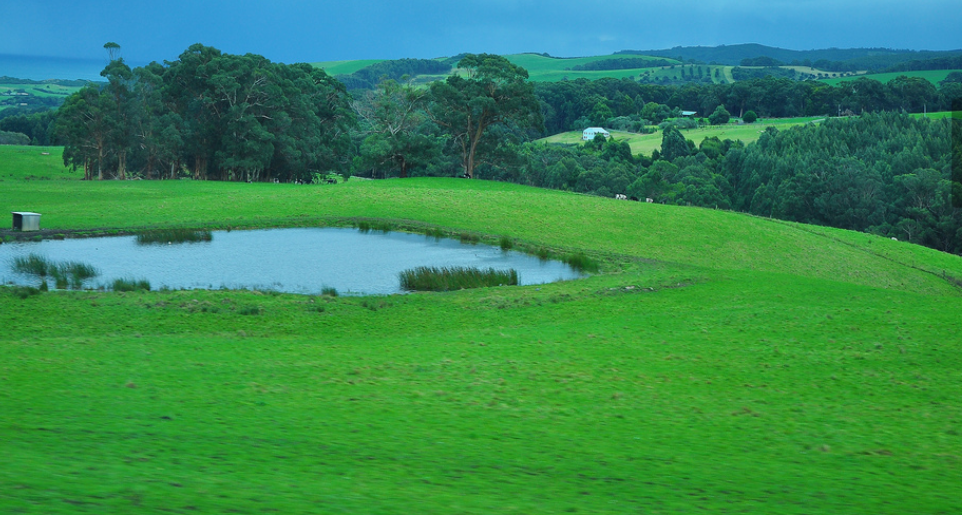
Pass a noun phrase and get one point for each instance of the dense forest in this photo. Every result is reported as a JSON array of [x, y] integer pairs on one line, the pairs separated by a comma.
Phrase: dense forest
[[211, 115]]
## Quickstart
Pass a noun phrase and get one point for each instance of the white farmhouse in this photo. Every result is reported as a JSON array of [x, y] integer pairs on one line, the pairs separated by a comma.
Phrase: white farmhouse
[[589, 133]]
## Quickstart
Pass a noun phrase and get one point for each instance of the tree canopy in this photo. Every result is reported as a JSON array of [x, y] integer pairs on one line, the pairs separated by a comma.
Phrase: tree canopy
[[223, 116], [494, 92]]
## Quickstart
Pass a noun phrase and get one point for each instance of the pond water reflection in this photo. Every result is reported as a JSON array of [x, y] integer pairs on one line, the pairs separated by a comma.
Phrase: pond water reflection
[[304, 260]]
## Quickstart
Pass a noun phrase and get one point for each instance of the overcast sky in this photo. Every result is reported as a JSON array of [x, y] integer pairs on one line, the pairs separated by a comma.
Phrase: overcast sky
[[308, 31]]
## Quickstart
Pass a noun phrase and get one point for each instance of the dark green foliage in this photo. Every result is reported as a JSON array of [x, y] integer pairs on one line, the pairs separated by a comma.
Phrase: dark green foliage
[[13, 138], [22, 292], [166, 236], [506, 243], [720, 116], [494, 94], [329, 291], [455, 278], [621, 63], [750, 117], [760, 61], [251, 309], [130, 285], [220, 116], [364, 226]]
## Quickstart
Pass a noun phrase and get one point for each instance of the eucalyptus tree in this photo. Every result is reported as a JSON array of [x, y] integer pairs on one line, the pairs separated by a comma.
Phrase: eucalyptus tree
[[84, 123], [391, 119], [493, 91]]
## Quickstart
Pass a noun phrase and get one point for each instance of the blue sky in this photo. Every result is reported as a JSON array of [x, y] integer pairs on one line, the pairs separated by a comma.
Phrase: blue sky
[[307, 31]]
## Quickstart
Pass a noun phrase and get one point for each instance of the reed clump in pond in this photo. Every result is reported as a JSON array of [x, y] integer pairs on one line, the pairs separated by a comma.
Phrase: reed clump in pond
[[164, 236], [427, 278], [66, 274], [32, 265], [580, 262]]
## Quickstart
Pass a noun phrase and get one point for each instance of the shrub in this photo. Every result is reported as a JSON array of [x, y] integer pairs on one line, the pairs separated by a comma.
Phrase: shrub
[[250, 310], [130, 285], [507, 243], [23, 292], [330, 291], [426, 278]]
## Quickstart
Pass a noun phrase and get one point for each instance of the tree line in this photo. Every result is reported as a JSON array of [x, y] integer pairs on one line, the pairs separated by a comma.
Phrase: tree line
[[215, 115]]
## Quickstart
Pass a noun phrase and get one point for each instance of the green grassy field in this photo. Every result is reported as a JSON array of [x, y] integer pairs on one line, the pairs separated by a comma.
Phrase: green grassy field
[[345, 67], [721, 363], [647, 143], [933, 76], [15, 94], [40, 90]]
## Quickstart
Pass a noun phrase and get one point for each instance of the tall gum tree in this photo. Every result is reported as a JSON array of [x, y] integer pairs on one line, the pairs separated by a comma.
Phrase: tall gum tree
[[491, 91]]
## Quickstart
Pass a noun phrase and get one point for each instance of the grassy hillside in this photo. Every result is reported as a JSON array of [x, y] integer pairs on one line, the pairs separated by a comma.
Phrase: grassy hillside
[[722, 363], [933, 76], [345, 67], [646, 143]]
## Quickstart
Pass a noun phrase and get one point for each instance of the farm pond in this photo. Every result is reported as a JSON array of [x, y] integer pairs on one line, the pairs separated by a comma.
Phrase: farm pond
[[303, 260]]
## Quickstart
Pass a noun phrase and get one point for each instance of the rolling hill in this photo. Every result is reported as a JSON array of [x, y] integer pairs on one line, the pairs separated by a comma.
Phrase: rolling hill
[[721, 362]]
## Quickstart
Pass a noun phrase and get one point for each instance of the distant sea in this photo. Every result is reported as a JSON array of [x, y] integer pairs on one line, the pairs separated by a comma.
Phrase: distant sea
[[43, 68]]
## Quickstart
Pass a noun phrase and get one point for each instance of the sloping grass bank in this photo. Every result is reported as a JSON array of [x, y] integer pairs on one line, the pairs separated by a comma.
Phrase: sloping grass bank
[[722, 364]]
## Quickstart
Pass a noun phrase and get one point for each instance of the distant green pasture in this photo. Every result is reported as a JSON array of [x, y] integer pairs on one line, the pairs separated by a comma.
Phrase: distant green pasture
[[647, 143], [933, 76], [39, 90], [345, 67]]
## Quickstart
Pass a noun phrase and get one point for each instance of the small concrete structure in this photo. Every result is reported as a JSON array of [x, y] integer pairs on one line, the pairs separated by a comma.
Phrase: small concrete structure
[[26, 221]]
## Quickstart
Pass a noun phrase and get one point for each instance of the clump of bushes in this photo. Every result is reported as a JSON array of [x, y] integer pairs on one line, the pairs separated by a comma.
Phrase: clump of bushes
[[329, 291], [425, 278], [506, 243], [173, 236]]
